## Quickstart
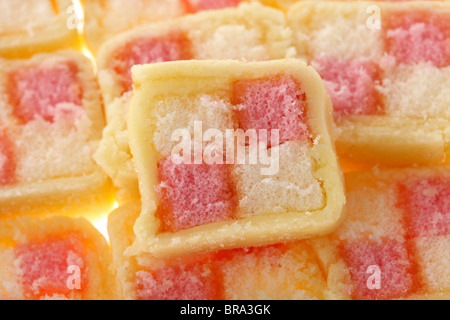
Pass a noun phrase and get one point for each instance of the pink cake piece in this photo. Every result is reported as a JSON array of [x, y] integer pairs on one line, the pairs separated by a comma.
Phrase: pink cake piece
[[397, 271], [350, 84], [44, 92], [172, 47], [200, 5], [194, 194], [419, 37], [271, 104], [427, 207], [44, 265], [7, 163], [193, 281]]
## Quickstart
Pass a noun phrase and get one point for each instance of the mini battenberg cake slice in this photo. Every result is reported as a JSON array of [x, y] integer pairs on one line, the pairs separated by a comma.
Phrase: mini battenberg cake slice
[[283, 271], [54, 258], [386, 67], [105, 19], [32, 26], [210, 137], [50, 125], [395, 241], [250, 32]]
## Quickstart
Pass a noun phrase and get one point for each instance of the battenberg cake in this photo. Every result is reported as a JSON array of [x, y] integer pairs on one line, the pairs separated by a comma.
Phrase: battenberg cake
[[395, 241], [386, 68], [32, 26], [200, 192], [105, 19], [395, 236], [250, 32], [55, 258], [283, 271], [50, 125]]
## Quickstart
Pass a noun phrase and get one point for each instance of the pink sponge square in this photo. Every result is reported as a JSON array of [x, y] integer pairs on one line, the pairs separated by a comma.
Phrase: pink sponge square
[[276, 103], [7, 162], [44, 265], [194, 194], [171, 47], [392, 258], [350, 84], [193, 281], [419, 37], [200, 5], [426, 205], [42, 92]]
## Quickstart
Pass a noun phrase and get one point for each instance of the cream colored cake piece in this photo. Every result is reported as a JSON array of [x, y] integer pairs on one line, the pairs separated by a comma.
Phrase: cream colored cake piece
[[193, 207], [31, 26], [280, 192], [394, 243], [56, 258], [250, 32], [279, 272], [390, 94], [50, 125]]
